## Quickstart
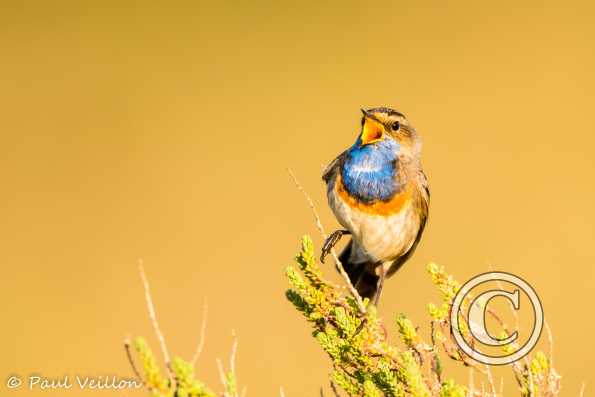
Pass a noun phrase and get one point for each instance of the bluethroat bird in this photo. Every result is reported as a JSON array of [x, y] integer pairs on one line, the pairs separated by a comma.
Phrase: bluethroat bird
[[379, 194]]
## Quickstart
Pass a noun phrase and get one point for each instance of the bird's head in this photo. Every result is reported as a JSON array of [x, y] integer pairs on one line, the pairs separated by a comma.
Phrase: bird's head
[[381, 124]]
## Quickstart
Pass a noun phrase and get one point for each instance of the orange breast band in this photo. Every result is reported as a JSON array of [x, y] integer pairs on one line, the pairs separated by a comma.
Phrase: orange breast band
[[393, 206]]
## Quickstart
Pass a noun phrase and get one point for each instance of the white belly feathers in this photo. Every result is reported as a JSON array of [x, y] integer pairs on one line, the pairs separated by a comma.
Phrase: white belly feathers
[[377, 238]]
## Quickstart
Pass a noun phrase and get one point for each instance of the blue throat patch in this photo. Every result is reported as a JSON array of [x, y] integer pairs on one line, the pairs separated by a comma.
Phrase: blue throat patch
[[368, 172]]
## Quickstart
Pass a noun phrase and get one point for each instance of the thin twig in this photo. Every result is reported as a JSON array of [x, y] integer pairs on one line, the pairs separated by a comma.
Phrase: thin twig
[[550, 340], [234, 350], [201, 340], [153, 317], [222, 376], [530, 376], [232, 368], [491, 380], [454, 352], [515, 365], [133, 365], [334, 389], [471, 386], [515, 314], [338, 264]]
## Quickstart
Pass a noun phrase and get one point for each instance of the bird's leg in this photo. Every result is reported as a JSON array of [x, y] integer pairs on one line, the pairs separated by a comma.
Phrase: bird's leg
[[379, 285], [331, 241]]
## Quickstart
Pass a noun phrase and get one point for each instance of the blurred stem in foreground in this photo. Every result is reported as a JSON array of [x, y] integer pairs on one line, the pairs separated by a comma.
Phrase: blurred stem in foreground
[[180, 380]]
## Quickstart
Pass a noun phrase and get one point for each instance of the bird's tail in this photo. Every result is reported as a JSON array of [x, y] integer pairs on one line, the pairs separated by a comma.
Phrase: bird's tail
[[365, 282]]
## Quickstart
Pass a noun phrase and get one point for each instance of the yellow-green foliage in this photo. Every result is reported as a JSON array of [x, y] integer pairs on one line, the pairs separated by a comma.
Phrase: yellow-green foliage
[[184, 385], [364, 363], [154, 381], [451, 389]]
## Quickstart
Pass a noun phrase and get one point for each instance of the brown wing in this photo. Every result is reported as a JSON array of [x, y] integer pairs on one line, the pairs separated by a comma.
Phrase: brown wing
[[424, 204], [333, 167]]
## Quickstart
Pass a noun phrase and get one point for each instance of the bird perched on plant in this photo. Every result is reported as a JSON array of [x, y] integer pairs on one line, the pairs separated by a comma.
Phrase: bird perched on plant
[[379, 194]]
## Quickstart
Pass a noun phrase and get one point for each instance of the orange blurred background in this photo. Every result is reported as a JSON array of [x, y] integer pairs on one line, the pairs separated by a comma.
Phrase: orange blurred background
[[163, 132]]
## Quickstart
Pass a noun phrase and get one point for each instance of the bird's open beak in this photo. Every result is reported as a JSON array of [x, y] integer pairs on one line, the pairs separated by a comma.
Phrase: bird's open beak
[[372, 130]]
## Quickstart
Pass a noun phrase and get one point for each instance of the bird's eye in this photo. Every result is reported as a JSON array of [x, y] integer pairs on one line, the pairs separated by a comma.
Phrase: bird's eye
[[395, 126]]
